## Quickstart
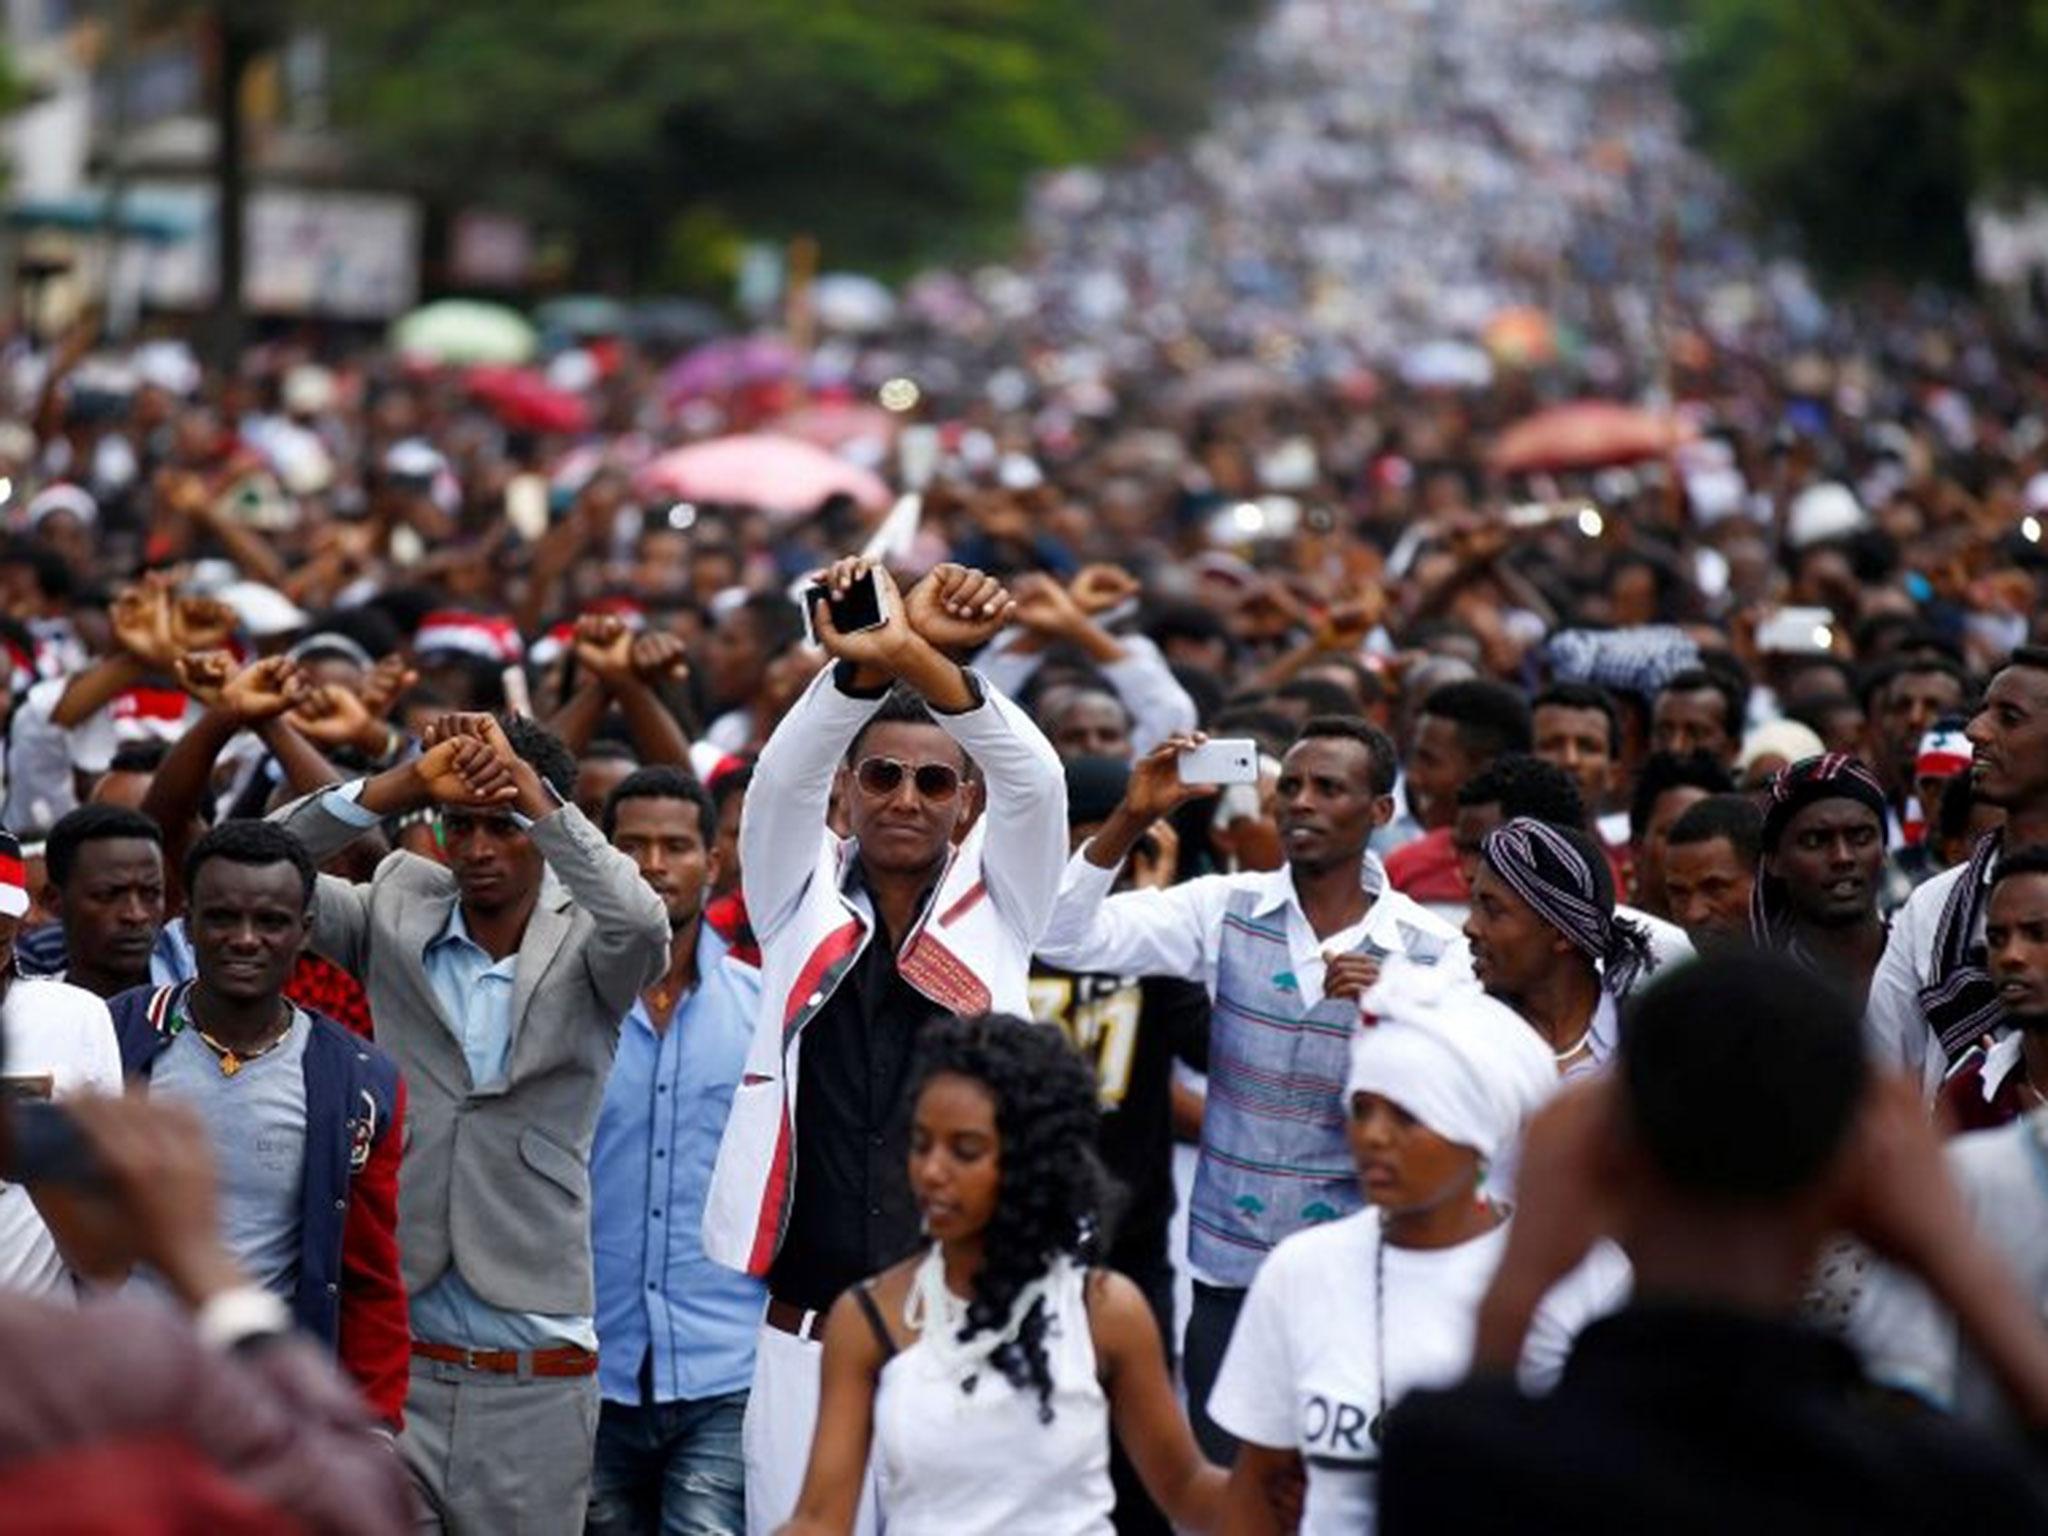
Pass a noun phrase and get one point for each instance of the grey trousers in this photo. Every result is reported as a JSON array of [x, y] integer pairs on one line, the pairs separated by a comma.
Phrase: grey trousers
[[499, 1455]]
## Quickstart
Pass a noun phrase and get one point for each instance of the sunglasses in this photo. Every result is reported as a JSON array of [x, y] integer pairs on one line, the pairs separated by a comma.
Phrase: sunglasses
[[885, 775]]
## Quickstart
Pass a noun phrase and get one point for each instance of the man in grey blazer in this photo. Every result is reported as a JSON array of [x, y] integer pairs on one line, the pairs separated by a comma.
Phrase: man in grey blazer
[[497, 981]]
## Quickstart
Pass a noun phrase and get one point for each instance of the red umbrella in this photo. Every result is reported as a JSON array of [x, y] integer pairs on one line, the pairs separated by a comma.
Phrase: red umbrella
[[1587, 434], [523, 399], [777, 474]]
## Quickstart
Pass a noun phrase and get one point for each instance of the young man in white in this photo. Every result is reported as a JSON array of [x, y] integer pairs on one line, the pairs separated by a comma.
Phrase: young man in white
[[1286, 957], [957, 808]]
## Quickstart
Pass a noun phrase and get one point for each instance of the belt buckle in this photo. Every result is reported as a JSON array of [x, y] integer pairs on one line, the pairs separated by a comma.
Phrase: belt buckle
[[469, 1359]]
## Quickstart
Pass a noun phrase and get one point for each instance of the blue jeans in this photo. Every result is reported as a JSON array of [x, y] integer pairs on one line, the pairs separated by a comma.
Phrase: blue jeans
[[670, 1469]]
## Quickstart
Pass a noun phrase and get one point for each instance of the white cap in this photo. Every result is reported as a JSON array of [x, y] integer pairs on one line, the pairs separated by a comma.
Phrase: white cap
[[1822, 512], [263, 610]]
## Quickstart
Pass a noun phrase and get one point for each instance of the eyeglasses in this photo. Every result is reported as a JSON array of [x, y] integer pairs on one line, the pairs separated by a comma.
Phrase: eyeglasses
[[884, 776]]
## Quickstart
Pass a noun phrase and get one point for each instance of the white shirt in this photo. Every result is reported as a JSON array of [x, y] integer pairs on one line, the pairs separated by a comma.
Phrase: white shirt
[[1894, 1027], [1669, 945], [1302, 1372], [60, 1043], [1178, 931], [1907, 1339]]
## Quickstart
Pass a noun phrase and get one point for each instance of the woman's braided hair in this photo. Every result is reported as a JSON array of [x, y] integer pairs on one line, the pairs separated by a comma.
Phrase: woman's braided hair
[[1052, 1186]]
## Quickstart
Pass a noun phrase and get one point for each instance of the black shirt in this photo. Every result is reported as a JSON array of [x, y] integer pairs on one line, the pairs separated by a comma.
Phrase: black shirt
[[1680, 1420], [1131, 1030], [851, 1213]]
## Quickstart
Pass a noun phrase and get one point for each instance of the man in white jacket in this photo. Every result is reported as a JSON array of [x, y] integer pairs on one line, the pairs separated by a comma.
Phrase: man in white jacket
[[956, 807], [1286, 957]]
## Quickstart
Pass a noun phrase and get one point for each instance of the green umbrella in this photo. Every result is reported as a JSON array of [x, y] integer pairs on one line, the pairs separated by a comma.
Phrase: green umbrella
[[466, 331]]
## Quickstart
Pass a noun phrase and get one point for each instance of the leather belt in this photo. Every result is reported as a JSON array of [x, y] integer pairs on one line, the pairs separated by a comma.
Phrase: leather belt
[[566, 1360], [788, 1317]]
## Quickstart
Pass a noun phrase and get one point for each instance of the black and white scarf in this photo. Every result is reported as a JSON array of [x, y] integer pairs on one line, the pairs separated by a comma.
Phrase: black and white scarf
[[1961, 1003], [1565, 880]]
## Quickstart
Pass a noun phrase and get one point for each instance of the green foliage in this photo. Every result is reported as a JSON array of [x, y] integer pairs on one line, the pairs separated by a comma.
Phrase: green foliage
[[891, 129], [1871, 125]]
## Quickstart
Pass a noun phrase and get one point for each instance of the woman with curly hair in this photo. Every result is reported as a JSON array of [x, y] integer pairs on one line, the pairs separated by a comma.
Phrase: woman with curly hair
[[983, 1374]]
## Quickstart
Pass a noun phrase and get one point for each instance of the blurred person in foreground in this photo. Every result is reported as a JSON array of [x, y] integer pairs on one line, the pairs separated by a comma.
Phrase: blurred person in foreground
[[957, 810], [1703, 1405], [129, 1417]]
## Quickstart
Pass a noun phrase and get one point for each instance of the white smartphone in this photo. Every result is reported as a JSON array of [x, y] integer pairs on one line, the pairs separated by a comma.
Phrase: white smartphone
[[1226, 760]]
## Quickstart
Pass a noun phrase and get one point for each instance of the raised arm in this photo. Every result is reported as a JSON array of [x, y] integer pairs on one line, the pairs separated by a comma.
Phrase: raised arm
[[623, 668], [630, 934], [455, 770], [1166, 932], [236, 699], [146, 641]]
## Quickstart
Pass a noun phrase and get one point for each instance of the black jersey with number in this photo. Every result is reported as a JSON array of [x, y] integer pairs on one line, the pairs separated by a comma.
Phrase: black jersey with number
[[1131, 1030]]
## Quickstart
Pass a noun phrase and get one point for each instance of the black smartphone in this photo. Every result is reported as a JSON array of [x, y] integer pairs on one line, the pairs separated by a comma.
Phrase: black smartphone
[[860, 609], [48, 1147]]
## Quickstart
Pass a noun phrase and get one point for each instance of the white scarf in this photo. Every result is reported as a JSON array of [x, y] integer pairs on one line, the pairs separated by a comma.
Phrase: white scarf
[[938, 1316]]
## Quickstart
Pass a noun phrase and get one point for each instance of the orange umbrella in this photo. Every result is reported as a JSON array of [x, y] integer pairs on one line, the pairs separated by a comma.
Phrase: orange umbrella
[[1522, 338], [1587, 434]]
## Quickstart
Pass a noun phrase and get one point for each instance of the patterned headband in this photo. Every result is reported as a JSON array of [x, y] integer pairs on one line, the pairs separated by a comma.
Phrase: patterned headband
[[1551, 872]]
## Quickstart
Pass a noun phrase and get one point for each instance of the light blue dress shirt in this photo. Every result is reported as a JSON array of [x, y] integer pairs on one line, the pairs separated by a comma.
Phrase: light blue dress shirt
[[475, 994], [658, 1297]]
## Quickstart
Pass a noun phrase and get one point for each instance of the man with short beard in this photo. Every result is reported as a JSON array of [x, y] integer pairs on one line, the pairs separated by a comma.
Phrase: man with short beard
[[1823, 850], [1285, 956], [1933, 998]]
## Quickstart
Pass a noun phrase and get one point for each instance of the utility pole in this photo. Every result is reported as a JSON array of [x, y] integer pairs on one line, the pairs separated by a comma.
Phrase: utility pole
[[238, 39]]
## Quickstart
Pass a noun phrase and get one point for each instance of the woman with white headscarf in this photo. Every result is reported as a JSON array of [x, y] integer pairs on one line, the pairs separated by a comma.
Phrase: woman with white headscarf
[[1345, 1318]]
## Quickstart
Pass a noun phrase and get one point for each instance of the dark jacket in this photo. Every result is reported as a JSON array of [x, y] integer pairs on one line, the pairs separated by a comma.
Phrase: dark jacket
[[350, 1294], [1681, 1420]]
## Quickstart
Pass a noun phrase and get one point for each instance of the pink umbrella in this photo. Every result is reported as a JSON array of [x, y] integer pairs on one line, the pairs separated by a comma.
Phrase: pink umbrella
[[1586, 434], [777, 474]]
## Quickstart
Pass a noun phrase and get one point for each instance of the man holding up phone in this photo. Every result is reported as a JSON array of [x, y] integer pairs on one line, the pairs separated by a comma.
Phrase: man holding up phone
[[956, 808], [1286, 957]]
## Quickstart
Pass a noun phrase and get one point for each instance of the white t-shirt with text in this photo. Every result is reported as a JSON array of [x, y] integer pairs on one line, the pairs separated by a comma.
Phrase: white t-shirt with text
[[1302, 1372]]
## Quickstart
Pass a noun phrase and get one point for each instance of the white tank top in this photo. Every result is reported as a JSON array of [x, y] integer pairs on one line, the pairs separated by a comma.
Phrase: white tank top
[[954, 1463]]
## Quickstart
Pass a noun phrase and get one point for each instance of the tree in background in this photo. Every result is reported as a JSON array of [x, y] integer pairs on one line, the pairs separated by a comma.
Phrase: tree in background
[[1871, 126], [892, 130]]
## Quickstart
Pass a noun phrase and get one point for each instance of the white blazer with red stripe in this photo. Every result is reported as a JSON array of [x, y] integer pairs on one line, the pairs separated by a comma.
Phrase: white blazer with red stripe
[[971, 952]]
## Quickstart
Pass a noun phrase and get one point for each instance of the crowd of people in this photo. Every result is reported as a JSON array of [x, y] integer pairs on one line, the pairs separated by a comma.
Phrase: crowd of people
[[1228, 963]]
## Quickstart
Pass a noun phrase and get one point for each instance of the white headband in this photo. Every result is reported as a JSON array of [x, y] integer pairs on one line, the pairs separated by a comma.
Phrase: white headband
[[1466, 1066]]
